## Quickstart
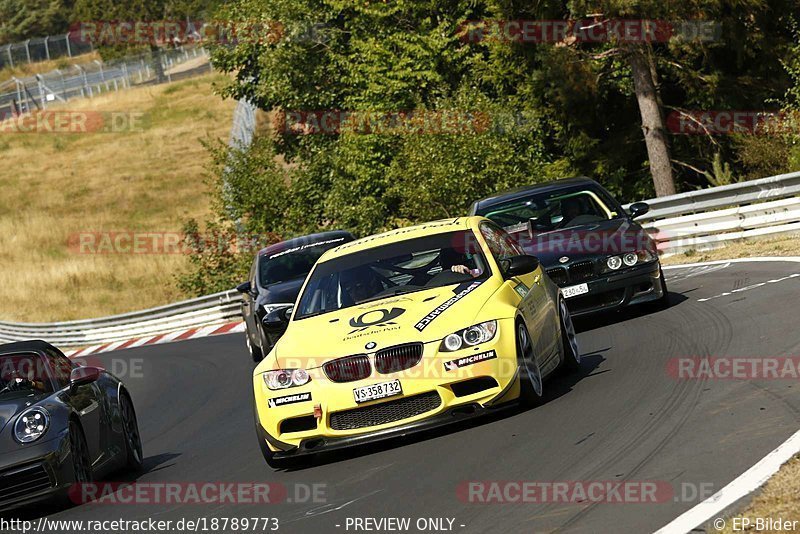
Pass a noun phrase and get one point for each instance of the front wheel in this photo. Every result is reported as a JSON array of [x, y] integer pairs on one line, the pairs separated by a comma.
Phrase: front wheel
[[134, 459], [530, 376], [255, 352], [663, 302], [81, 463], [570, 351]]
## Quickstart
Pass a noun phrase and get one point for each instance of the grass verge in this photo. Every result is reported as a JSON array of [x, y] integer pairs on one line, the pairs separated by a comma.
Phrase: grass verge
[[788, 245], [60, 185]]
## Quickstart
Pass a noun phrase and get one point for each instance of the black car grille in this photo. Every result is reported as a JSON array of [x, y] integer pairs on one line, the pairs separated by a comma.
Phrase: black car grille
[[21, 481], [348, 369], [398, 358], [385, 412], [558, 275], [583, 270]]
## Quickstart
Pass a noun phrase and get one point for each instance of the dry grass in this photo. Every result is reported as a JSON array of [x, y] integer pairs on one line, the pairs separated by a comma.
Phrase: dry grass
[[779, 499], [29, 69], [54, 186], [788, 245]]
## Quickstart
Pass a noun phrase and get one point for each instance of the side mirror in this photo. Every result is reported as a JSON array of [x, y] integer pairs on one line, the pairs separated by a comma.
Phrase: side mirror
[[638, 209], [278, 318], [80, 376], [245, 287], [519, 265]]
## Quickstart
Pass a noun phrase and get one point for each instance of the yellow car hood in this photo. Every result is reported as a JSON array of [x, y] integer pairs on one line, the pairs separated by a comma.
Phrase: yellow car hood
[[425, 316]]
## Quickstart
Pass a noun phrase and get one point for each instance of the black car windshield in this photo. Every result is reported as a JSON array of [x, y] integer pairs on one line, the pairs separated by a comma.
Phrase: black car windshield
[[399, 268], [292, 263], [22, 375], [554, 210]]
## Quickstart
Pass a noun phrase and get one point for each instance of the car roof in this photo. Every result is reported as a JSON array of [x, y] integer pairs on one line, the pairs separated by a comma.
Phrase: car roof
[[37, 345], [401, 234], [304, 240], [526, 190]]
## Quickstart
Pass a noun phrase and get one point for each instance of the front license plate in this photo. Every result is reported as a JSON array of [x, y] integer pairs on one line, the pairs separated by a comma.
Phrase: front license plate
[[574, 291], [378, 391]]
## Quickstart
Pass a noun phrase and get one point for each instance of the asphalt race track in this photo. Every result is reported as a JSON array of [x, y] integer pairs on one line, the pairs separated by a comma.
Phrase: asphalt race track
[[623, 417]]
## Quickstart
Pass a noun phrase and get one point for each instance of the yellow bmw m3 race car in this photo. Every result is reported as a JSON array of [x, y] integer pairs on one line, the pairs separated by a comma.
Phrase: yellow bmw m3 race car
[[409, 330]]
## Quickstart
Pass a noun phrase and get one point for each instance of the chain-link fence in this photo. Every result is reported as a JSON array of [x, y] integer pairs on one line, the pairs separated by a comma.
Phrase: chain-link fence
[[42, 49], [25, 95]]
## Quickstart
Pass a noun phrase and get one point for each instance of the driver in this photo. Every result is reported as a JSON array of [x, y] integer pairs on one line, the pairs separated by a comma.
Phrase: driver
[[452, 260], [360, 284], [571, 208]]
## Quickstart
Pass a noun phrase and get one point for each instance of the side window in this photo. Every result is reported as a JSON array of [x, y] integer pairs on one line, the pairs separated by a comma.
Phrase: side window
[[62, 368], [500, 243]]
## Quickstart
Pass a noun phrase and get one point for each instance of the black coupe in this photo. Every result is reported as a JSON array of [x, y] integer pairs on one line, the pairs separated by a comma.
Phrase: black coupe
[[276, 276], [61, 425], [589, 245]]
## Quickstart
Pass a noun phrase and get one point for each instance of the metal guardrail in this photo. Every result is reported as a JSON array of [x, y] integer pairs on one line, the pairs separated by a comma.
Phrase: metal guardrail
[[700, 219], [711, 218], [194, 313]]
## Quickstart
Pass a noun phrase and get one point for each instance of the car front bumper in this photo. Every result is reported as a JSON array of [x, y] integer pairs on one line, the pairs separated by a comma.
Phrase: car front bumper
[[611, 291], [35, 472], [434, 394]]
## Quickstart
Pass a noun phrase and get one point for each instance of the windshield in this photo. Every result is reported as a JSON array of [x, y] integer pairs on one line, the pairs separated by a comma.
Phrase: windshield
[[554, 210], [22, 375], [293, 263], [402, 267]]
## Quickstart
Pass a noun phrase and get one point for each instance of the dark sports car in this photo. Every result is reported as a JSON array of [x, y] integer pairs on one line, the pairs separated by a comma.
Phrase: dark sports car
[[590, 246], [60, 424], [276, 276]]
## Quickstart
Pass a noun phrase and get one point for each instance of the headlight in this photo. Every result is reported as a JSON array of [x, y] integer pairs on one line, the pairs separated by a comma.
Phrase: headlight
[[269, 308], [629, 259], [31, 425], [286, 378], [474, 335]]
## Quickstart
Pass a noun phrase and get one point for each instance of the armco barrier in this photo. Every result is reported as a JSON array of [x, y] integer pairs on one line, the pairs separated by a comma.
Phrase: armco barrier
[[213, 309], [700, 219], [710, 218]]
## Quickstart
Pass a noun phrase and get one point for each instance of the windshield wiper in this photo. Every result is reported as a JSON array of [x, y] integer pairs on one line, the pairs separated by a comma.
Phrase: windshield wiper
[[395, 293]]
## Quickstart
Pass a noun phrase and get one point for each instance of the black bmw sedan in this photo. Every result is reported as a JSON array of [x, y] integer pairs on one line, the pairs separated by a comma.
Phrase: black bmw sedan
[[275, 279], [61, 425], [590, 246]]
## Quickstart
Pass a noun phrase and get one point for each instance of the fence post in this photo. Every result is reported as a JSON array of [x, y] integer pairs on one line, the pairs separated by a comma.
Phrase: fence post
[[47, 48], [10, 57], [69, 48], [28, 50]]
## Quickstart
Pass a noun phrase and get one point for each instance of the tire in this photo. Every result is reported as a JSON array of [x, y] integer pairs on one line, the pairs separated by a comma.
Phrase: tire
[[79, 451], [134, 459], [531, 387], [570, 350], [663, 302], [255, 352]]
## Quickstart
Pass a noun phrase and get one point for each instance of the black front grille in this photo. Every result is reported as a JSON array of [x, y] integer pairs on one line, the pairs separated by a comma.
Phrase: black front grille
[[558, 275], [583, 270], [21, 481], [398, 358], [385, 412], [348, 369]]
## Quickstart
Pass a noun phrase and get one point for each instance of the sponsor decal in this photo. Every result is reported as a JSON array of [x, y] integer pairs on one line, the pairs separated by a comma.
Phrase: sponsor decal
[[522, 290], [469, 360], [304, 247], [289, 399], [461, 292], [375, 318]]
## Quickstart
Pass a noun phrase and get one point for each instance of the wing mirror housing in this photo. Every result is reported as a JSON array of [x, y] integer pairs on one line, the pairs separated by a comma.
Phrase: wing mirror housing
[[637, 209], [520, 265], [278, 318], [81, 376], [244, 287]]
